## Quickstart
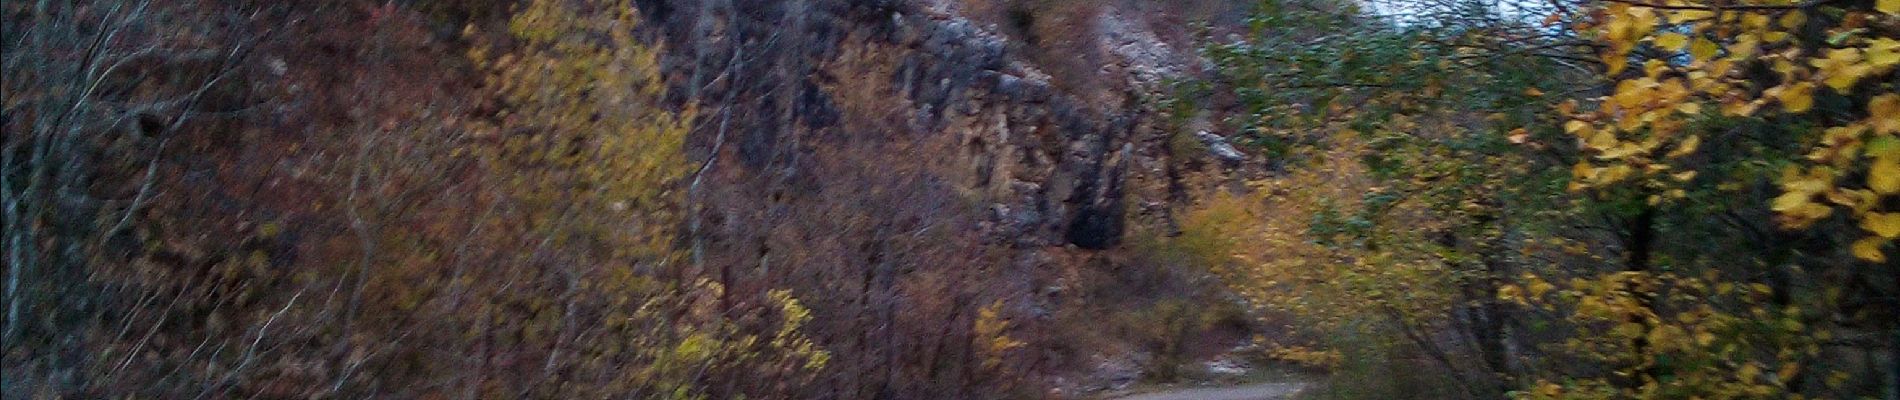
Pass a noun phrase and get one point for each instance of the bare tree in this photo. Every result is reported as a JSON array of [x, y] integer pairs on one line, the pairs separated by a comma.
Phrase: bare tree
[[77, 103]]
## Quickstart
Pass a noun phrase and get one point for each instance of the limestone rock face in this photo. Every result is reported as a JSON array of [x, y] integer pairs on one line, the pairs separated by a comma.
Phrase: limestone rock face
[[1053, 165], [860, 148]]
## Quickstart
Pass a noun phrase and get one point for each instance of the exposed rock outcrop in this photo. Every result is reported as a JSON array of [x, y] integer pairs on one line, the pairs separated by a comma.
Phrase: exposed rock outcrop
[[1053, 164], [886, 118]]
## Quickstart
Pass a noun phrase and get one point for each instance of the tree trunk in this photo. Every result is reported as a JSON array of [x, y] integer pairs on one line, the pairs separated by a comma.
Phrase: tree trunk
[[1893, 365], [1490, 324], [1893, 343], [1640, 242], [1431, 350]]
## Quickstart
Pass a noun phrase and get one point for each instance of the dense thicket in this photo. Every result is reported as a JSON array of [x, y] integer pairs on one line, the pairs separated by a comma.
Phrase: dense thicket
[[1607, 199], [502, 199], [196, 207], [1578, 200]]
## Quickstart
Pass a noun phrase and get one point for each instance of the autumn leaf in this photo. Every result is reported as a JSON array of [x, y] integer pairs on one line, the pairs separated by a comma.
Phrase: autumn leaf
[[1797, 97], [1703, 49], [1519, 135], [1686, 147], [1884, 175], [1869, 249], [1671, 41], [1887, 225], [1883, 114], [1883, 52]]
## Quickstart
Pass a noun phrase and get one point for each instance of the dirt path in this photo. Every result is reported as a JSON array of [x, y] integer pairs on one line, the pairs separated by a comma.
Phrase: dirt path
[[1258, 391]]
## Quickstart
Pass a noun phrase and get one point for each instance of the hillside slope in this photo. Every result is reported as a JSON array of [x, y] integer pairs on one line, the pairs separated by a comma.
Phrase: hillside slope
[[866, 200], [943, 164]]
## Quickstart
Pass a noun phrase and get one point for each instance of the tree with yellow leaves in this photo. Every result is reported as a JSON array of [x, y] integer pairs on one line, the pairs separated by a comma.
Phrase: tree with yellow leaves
[[1406, 150], [1819, 68], [1649, 195], [1709, 98], [589, 161]]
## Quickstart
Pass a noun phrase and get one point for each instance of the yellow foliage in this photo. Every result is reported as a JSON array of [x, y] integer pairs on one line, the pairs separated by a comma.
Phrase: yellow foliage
[[1642, 122], [990, 330], [1306, 357], [588, 157], [1704, 350], [585, 142], [1260, 244]]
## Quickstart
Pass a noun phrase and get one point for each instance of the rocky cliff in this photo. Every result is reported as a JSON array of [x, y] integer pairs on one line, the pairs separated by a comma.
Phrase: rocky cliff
[[963, 151], [880, 199], [1053, 164]]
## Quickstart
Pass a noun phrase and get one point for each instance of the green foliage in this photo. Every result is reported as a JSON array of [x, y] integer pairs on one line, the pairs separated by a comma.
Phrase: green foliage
[[1727, 146], [1368, 367], [1700, 349]]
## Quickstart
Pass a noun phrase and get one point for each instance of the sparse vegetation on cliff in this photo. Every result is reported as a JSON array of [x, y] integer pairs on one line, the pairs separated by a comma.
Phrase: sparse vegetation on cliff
[[955, 199]]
